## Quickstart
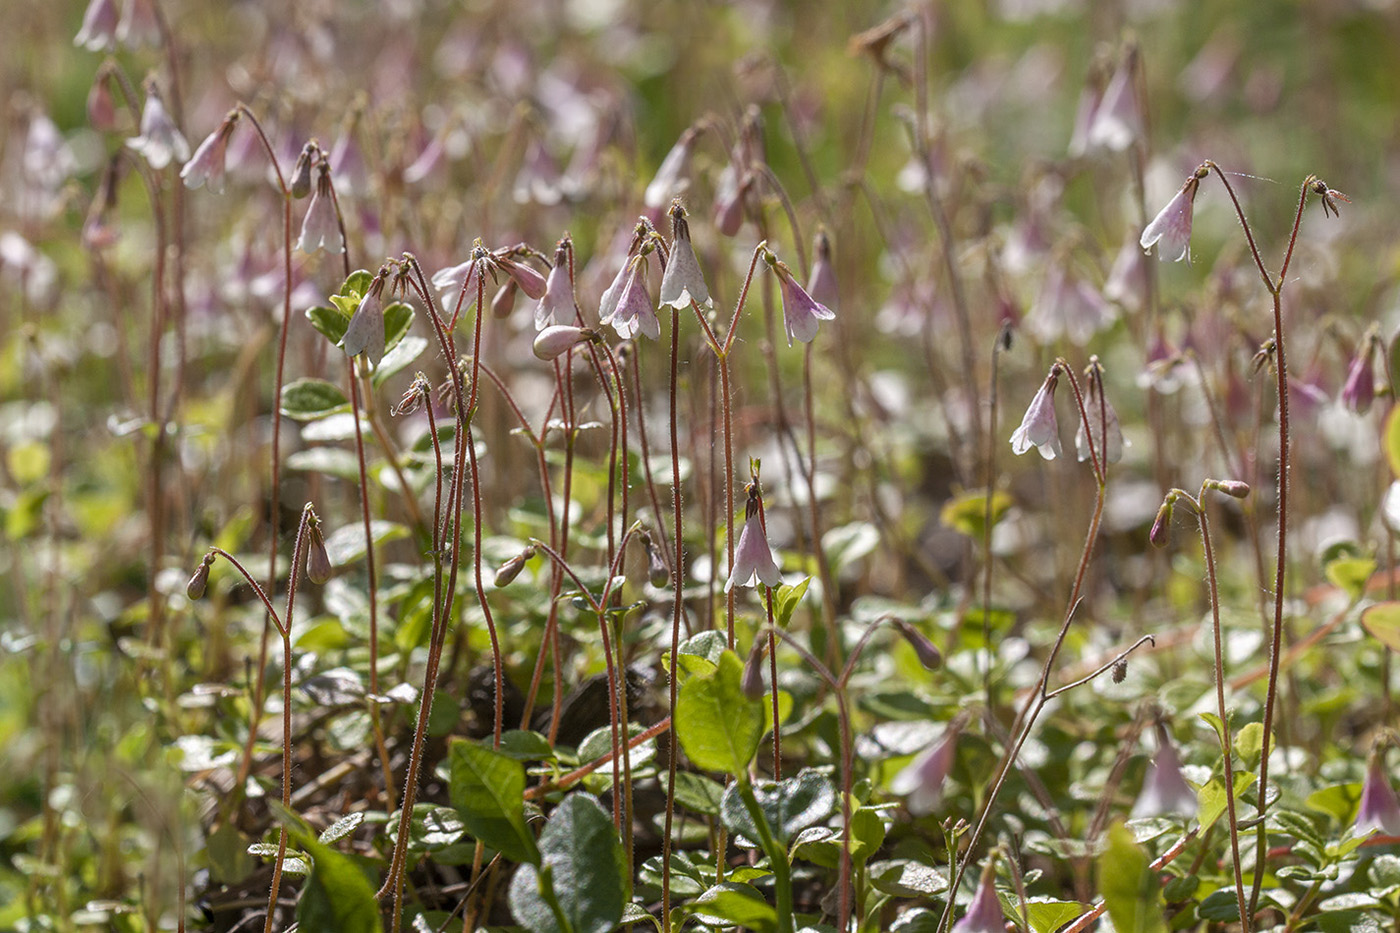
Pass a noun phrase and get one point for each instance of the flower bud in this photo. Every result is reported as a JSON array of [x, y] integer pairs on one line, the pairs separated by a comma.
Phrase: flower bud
[[1232, 487], [318, 561], [195, 588], [556, 339], [504, 302], [301, 172], [508, 571], [1161, 526], [657, 571], [752, 681], [929, 655]]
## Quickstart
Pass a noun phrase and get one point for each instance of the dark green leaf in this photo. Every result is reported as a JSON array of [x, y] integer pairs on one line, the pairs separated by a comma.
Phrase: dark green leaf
[[788, 806], [488, 790], [584, 866], [698, 793], [310, 399], [1222, 905]]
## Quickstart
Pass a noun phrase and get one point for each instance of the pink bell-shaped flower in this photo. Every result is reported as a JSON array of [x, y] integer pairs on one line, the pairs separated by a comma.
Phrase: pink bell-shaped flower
[[1164, 790], [1380, 809], [1170, 230], [1039, 428]]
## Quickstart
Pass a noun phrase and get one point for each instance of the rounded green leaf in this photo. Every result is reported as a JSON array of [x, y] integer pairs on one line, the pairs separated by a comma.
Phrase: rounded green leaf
[[310, 399], [788, 806], [1383, 621], [581, 877], [717, 725]]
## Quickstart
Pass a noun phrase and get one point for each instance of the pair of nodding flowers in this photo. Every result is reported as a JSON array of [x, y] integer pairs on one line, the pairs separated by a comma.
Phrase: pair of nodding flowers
[[1040, 429]]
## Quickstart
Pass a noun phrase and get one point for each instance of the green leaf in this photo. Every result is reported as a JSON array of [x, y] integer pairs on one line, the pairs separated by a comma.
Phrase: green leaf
[[1046, 914], [582, 864], [1129, 885], [1339, 801], [788, 806], [698, 793], [1222, 905], [1249, 744], [346, 544], [488, 790], [867, 834], [1383, 619], [732, 904], [786, 599], [1218, 724], [1392, 440], [398, 359], [331, 322], [524, 745], [342, 827], [906, 878], [717, 725], [338, 897], [311, 399], [356, 284], [698, 654], [847, 544], [398, 317], [332, 461], [967, 513], [1350, 574], [227, 852]]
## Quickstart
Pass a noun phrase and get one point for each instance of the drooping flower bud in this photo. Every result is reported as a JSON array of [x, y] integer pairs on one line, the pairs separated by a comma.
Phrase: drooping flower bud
[[1161, 532], [555, 340], [929, 655], [1360, 389], [318, 561], [301, 172], [504, 302], [1102, 421], [657, 572], [529, 281], [508, 571], [669, 181], [1237, 489], [821, 284], [200, 581], [752, 681]]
